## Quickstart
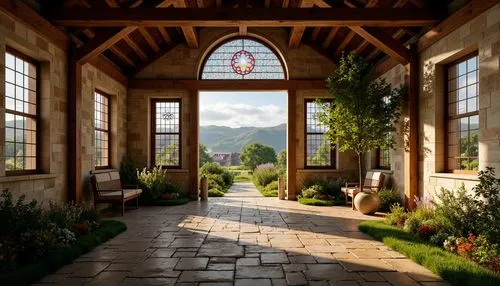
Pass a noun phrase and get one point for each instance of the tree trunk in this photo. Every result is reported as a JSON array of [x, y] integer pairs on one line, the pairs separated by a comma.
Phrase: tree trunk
[[360, 167]]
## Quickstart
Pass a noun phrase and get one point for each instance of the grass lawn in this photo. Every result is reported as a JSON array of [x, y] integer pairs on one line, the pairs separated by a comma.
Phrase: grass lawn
[[173, 202], [31, 273], [321, 203], [453, 268]]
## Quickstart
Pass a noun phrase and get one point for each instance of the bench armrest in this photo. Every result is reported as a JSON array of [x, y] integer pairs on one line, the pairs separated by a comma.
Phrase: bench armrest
[[347, 185]]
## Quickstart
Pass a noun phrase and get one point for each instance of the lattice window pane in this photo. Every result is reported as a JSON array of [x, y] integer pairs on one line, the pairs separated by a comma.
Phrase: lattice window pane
[[101, 130], [21, 113], [318, 148], [219, 64], [166, 129], [463, 116]]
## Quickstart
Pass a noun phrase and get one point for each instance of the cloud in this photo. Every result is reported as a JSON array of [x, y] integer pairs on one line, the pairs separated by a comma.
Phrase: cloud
[[238, 115]]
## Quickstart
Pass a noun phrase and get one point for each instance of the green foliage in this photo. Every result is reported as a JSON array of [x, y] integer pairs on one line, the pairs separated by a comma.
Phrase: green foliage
[[312, 192], [215, 193], [29, 232], [281, 165], [321, 203], [128, 172], [204, 156], [256, 154], [154, 181], [487, 197], [31, 273], [364, 111], [331, 187], [168, 156], [242, 178], [412, 224], [270, 190], [265, 174], [397, 215], [454, 269], [388, 197], [218, 177]]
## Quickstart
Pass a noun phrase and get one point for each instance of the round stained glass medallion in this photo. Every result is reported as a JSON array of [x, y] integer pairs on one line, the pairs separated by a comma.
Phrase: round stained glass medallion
[[242, 62]]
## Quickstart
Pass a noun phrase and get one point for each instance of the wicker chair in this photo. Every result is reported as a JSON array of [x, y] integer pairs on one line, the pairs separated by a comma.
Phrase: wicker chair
[[374, 181]]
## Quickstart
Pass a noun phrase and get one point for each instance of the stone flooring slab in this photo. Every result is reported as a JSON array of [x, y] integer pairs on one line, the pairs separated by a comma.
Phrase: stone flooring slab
[[243, 239]]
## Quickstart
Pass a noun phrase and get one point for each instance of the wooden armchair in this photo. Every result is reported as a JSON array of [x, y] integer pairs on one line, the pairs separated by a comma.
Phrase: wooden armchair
[[374, 181], [107, 188]]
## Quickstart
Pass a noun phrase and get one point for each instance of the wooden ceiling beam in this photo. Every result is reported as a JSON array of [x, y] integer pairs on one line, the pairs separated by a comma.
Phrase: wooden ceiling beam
[[218, 3], [243, 30], [119, 53], [329, 38], [151, 41], [229, 17], [189, 31], [315, 33], [297, 32], [165, 35], [384, 42], [101, 42], [161, 84], [134, 46], [347, 39]]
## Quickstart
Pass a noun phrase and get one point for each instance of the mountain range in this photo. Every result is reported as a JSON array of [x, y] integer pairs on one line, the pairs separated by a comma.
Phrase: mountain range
[[227, 139]]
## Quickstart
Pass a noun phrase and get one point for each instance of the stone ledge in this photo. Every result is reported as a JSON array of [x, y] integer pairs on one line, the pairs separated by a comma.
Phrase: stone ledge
[[321, 171], [454, 176], [32, 177], [383, 171]]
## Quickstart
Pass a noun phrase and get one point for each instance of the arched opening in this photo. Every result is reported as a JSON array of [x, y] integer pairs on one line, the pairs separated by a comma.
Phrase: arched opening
[[240, 58]]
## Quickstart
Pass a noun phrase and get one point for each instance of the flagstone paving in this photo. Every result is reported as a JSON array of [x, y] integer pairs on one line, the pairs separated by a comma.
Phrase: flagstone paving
[[243, 239]]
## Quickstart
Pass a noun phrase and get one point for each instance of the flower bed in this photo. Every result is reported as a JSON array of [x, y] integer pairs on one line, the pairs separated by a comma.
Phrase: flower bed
[[320, 192], [321, 203], [462, 222], [265, 178], [35, 241]]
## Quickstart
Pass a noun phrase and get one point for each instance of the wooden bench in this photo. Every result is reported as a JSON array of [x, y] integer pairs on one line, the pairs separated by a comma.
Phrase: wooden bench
[[107, 188], [374, 181]]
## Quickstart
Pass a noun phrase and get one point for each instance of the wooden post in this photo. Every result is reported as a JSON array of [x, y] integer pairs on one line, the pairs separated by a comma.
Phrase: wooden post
[[204, 189], [281, 188], [411, 157], [291, 148], [193, 144], [74, 129]]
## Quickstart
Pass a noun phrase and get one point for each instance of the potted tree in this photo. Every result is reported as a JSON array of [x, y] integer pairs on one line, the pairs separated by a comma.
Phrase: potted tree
[[364, 109]]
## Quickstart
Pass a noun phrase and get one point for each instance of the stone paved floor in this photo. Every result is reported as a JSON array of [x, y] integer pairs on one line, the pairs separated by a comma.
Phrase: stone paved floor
[[243, 239]]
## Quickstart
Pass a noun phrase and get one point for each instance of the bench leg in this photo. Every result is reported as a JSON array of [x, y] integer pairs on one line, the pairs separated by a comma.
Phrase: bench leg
[[123, 207], [137, 202]]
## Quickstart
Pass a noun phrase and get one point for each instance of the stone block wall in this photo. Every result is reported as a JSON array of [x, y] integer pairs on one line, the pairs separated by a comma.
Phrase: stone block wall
[[93, 79], [482, 34], [139, 137], [50, 184]]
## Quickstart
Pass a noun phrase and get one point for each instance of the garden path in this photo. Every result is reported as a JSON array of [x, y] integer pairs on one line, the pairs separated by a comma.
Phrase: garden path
[[243, 239]]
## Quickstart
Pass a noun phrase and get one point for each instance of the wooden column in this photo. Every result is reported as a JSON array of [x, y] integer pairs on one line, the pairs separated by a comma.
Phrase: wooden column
[[291, 147], [194, 104], [411, 156], [74, 129]]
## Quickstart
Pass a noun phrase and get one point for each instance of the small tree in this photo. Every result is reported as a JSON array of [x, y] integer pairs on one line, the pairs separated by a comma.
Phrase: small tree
[[204, 156], [256, 154], [364, 109]]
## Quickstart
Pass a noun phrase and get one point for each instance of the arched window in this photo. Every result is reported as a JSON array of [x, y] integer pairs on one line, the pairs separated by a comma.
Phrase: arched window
[[243, 58]]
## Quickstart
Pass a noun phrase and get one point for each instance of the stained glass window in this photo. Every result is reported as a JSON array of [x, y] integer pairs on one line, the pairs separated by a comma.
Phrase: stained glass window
[[166, 132], [319, 153], [101, 130], [463, 115], [21, 112], [243, 59]]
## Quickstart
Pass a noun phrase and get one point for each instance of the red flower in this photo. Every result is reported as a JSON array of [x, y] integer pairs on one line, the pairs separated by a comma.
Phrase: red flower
[[425, 231]]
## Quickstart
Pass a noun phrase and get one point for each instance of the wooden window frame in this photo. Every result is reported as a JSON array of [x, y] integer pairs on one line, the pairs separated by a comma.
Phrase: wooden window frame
[[333, 152], [153, 131], [447, 117], [37, 117], [108, 97], [378, 157]]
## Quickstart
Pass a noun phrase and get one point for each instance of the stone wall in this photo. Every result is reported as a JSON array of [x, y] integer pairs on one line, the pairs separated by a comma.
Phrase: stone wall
[[139, 137], [482, 34], [93, 79], [347, 162], [50, 184], [184, 63]]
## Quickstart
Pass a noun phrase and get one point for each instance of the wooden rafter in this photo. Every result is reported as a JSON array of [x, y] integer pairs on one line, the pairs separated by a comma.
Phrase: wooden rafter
[[384, 42], [329, 38], [373, 54], [151, 41], [243, 30], [315, 33], [218, 3], [297, 32], [229, 17], [165, 35], [119, 53], [189, 32], [138, 84], [344, 42], [134, 46]]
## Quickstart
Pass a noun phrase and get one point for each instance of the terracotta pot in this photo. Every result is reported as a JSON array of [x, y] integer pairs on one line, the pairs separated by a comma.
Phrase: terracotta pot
[[323, 197], [367, 202]]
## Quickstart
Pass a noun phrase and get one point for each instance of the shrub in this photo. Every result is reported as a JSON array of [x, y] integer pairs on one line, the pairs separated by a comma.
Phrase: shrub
[[215, 193], [330, 187], [425, 231], [388, 197], [128, 172], [272, 186], [397, 215], [218, 177], [487, 197], [311, 192], [412, 224], [265, 174], [211, 168], [271, 190], [154, 181]]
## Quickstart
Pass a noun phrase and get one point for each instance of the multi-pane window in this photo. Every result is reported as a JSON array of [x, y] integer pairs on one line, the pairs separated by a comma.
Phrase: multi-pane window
[[319, 153], [383, 158], [101, 130], [243, 58], [463, 115], [166, 132], [21, 112]]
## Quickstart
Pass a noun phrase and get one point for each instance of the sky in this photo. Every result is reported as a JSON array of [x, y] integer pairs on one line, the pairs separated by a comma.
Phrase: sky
[[243, 109]]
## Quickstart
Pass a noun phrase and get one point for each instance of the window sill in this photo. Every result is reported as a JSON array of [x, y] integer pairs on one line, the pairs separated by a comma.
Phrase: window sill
[[97, 171], [313, 170], [455, 176], [31, 177], [385, 171]]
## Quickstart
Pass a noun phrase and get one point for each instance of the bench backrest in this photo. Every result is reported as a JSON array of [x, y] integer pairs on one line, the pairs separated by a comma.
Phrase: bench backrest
[[106, 181], [374, 180]]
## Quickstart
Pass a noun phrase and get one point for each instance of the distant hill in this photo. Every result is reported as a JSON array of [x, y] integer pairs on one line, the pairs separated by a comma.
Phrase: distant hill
[[227, 139]]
